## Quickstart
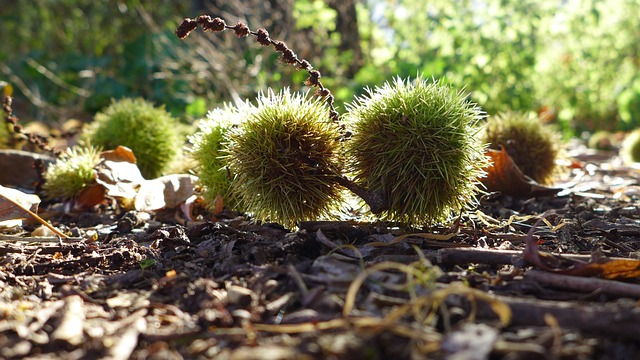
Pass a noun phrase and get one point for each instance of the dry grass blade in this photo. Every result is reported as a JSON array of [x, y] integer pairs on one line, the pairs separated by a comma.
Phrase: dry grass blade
[[433, 300]]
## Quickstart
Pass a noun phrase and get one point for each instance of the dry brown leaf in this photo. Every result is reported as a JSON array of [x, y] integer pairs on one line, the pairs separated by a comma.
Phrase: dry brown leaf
[[121, 153], [12, 207], [597, 266], [13, 202], [178, 188], [168, 191], [609, 269], [119, 174], [150, 196], [89, 197], [504, 176]]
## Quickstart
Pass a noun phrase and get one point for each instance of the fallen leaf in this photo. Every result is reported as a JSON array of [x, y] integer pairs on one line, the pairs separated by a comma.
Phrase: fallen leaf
[[121, 153], [12, 208], [119, 174], [607, 269], [13, 202], [150, 196], [504, 176], [218, 205], [168, 191], [597, 266], [89, 197], [178, 188]]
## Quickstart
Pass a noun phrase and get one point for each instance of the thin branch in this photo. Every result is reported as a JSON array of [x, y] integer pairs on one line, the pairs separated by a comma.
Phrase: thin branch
[[262, 37]]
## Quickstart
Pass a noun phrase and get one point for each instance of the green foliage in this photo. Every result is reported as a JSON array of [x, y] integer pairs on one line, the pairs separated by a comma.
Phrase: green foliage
[[590, 54], [74, 53], [149, 131], [414, 143], [574, 56], [208, 151], [197, 108], [630, 150], [629, 107], [489, 48], [71, 172], [147, 263], [578, 57], [285, 159], [532, 145]]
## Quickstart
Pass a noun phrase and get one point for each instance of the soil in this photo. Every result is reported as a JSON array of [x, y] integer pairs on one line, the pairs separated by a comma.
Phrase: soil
[[154, 286]]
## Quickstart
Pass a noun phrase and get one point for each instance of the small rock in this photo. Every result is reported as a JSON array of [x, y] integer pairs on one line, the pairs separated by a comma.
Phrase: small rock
[[19, 165]]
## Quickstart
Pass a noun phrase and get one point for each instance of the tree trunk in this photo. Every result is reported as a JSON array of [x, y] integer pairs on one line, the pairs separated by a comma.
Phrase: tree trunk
[[347, 26]]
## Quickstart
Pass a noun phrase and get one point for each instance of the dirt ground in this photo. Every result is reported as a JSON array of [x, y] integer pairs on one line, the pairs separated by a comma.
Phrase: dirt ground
[[152, 286]]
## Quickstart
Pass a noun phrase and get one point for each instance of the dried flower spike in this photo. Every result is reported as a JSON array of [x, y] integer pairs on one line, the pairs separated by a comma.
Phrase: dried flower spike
[[185, 28], [262, 37], [41, 142]]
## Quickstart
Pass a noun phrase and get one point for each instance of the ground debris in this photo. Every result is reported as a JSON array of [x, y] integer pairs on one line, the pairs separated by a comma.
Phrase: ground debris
[[147, 287]]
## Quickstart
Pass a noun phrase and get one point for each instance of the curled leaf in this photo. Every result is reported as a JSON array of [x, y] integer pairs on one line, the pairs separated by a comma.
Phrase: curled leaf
[[504, 176]]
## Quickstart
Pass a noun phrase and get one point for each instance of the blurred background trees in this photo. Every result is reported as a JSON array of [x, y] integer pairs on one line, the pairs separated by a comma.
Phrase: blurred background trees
[[576, 60]]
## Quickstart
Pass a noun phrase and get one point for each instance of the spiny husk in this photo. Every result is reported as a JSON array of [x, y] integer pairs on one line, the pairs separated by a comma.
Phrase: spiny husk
[[630, 150], [71, 172], [285, 159], [149, 131], [532, 145], [5, 132], [602, 140], [208, 152], [414, 143]]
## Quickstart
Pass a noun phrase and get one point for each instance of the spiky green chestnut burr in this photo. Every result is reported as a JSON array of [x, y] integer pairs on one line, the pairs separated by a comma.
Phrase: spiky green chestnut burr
[[208, 151], [71, 172], [630, 150], [286, 159], [414, 143], [149, 131], [532, 145], [602, 140], [5, 132]]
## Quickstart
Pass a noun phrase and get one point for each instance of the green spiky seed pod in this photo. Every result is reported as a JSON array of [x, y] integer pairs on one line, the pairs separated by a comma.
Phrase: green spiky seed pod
[[285, 158], [207, 151], [602, 140], [414, 143], [71, 172], [149, 131], [630, 149], [532, 145], [6, 133]]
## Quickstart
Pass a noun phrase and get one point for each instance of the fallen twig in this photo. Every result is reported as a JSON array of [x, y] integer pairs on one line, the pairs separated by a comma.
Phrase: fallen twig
[[582, 284]]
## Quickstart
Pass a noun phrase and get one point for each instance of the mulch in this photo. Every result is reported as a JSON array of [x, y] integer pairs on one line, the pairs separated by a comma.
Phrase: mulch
[[134, 286]]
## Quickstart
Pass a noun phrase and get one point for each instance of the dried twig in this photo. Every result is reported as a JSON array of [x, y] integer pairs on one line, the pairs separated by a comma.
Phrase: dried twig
[[262, 37], [32, 138]]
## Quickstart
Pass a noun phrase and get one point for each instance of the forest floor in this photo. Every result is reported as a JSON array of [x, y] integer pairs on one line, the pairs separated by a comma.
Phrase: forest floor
[[497, 284]]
